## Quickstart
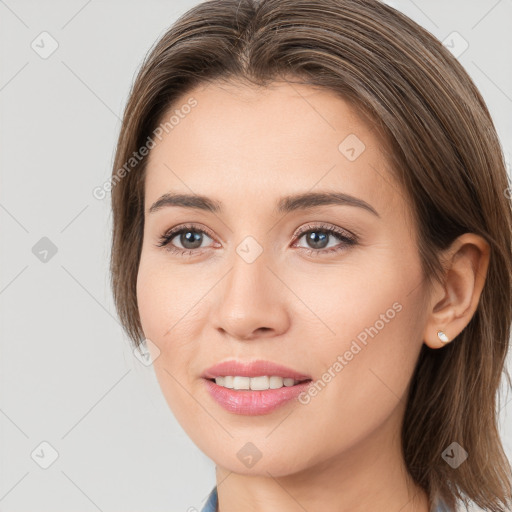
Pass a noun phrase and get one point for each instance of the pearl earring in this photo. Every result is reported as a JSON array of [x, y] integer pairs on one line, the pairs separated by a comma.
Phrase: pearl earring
[[442, 336]]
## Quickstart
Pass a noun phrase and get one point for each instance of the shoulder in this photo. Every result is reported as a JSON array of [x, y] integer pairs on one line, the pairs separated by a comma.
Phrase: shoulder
[[211, 502], [440, 506]]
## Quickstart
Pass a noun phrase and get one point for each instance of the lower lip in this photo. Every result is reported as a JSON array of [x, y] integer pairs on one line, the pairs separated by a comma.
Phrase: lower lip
[[254, 402]]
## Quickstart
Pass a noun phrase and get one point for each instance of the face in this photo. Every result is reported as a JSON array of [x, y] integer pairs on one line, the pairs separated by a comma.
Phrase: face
[[328, 286]]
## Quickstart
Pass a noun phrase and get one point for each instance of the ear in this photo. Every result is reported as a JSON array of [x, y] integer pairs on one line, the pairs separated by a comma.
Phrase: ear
[[453, 302]]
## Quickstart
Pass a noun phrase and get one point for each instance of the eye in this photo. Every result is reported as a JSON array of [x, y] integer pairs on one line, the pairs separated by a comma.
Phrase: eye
[[190, 237], [318, 236]]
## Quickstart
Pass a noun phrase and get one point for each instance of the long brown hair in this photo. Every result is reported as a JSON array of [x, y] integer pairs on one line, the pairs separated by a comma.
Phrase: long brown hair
[[443, 150]]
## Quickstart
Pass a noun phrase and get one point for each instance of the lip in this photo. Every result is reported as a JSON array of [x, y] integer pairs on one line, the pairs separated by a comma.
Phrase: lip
[[255, 368], [252, 403]]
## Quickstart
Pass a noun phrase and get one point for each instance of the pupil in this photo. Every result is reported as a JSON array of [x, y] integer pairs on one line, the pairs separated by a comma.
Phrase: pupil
[[193, 237], [317, 238]]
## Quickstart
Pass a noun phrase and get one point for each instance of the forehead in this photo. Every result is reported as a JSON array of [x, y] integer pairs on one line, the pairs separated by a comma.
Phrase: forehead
[[241, 142]]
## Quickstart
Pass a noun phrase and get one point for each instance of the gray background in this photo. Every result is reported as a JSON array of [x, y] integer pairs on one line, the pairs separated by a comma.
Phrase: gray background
[[68, 376]]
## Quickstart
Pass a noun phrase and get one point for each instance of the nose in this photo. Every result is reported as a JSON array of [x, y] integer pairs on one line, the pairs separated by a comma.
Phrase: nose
[[251, 301]]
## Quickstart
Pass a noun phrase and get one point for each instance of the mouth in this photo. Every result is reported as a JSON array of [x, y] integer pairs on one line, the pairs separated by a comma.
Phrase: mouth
[[259, 383], [255, 395], [255, 369]]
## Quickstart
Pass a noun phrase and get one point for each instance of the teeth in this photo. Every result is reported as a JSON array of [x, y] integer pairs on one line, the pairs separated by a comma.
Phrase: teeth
[[254, 383]]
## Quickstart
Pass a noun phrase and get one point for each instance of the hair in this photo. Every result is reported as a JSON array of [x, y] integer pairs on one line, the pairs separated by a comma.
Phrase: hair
[[443, 150]]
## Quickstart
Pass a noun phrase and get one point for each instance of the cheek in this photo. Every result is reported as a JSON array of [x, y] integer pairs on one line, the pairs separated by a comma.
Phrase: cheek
[[164, 300], [170, 320], [152, 296], [365, 334], [362, 369], [172, 316]]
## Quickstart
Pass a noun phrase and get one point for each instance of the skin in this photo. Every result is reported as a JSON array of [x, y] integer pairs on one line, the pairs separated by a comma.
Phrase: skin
[[248, 147]]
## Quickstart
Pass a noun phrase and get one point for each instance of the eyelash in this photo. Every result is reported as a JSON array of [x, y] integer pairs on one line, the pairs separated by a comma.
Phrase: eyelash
[[346, 238]]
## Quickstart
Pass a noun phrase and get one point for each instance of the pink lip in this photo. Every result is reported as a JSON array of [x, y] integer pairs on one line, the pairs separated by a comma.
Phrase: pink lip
[[251, 402], [252, 369]]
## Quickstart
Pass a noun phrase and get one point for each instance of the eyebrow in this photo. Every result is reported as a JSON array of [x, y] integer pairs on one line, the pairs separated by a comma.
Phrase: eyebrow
[[287, 204]]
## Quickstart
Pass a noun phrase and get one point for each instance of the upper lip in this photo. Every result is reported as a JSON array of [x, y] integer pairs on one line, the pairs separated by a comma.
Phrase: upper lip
[[252, 369]]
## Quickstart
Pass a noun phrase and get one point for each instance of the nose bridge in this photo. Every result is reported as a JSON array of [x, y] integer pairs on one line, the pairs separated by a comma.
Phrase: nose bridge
[[250, 299], [248, 280]]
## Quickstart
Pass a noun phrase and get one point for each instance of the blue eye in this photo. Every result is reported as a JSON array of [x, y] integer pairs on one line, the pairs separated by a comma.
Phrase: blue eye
[[191, 238], [188, 235], [319, 234]]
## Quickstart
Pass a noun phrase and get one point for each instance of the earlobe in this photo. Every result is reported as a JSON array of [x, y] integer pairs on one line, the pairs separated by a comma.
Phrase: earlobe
[[442, 336], [454, 302]]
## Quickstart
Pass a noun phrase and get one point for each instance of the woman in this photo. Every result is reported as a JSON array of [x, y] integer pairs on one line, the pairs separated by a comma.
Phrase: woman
[[312, 238]]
